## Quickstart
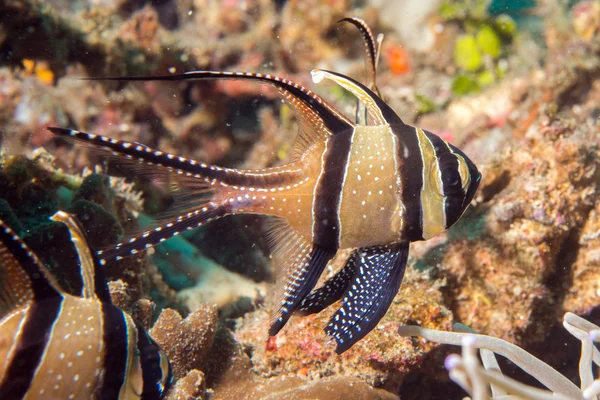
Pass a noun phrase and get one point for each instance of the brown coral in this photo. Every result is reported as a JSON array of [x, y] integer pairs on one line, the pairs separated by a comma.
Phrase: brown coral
[[190, 387], [187, 341]]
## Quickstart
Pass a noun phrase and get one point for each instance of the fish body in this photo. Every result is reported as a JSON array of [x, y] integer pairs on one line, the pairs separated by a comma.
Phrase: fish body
[[54, 345], [371, 187]]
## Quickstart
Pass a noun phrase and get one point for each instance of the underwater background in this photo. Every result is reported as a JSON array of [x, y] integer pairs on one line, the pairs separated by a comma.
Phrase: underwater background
[[514, 84]]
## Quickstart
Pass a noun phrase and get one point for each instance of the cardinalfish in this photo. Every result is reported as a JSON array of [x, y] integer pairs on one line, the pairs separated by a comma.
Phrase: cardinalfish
[[54, 345], [373, 185]]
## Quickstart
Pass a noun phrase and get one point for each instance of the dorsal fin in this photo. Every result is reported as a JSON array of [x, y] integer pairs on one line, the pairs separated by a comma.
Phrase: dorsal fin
[[94, 284], [380, 111], [372, 50], [23, 277], [317, 118]]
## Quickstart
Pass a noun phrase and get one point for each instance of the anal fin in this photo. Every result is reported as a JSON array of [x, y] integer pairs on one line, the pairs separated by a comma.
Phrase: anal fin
[[378, 273], [331, 291], [299, 264]]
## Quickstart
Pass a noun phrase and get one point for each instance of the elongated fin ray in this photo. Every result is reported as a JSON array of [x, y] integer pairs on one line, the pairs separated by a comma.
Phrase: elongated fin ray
[[372, 49], [379, 110], [152, 237], [298, 265], [23, 277], [379, 272], [318, 117], [331, 291], [92, 276], [131, 153], [191, 184]]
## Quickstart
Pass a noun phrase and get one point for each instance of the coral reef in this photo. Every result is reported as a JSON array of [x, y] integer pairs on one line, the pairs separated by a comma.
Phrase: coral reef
[[523, 105], [303, 349], [186, 341], [190, 387]]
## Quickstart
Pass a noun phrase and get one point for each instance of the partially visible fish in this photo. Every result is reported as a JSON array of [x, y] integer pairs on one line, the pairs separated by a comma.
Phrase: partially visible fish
[[57, 346], [371, 187]]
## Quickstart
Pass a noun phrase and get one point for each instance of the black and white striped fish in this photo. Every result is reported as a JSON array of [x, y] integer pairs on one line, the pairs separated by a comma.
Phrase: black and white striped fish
[[374, 188], [57, 346]]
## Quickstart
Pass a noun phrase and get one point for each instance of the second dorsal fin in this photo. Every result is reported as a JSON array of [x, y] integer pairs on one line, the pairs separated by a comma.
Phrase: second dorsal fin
[[23, 277], [94, 283]]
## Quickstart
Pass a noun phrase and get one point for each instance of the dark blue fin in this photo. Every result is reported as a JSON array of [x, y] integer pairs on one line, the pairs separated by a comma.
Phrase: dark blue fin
[[379, 272], [94, 282], [331, 291], [298, 265], [23, 277]]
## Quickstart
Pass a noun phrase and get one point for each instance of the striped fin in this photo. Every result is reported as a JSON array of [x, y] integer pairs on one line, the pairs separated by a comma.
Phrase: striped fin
[[372, 49], [379, 110], [317, 118], [298, 264], [331, 291], [92, 276], [379, 272], [192, 185], [23, 277], [152, 237]]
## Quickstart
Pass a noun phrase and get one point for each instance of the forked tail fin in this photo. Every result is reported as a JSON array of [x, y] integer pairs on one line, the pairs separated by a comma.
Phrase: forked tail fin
[[192, 185]]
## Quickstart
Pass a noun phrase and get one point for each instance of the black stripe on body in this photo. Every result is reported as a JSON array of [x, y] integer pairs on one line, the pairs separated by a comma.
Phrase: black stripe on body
[[150, 360], [451, 182], [332, 119], [29, 350], [116, 354], [328, 192], [150, 156], [41, 287], [411, 180]]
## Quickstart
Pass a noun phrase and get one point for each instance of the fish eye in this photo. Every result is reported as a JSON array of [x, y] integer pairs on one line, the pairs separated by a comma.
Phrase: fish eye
[[451, 183]]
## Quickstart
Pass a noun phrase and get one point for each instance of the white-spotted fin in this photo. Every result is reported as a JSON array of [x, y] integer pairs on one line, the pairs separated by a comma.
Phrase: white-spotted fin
[[378, 272], [57, 346], [373, 186]]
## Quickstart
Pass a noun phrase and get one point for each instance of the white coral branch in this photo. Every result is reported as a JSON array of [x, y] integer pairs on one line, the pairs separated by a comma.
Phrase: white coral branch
[[478, 380]]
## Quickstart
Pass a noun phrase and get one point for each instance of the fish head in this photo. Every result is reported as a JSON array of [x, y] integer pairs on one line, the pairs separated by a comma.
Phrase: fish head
[[460, 179], [439, 182]]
